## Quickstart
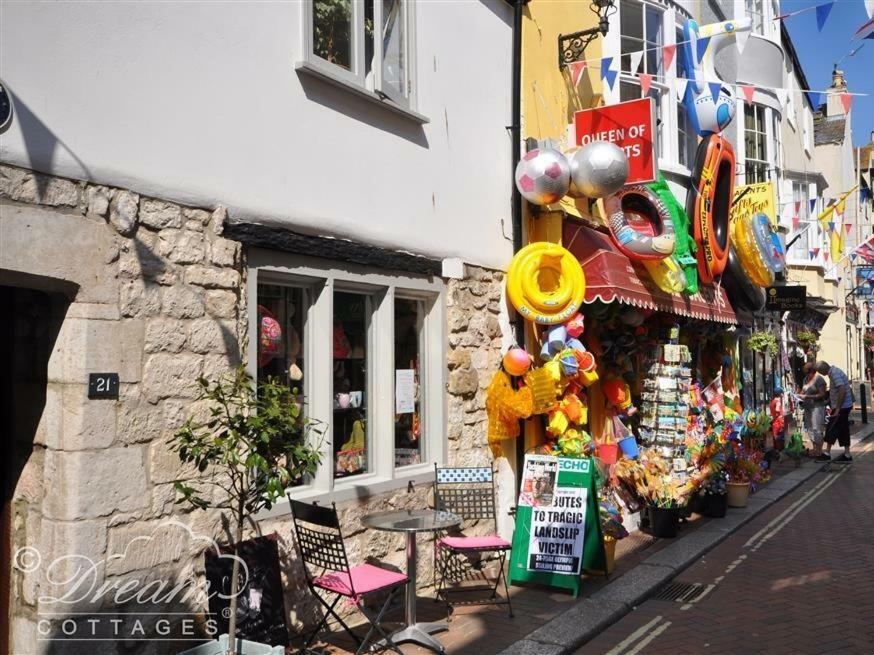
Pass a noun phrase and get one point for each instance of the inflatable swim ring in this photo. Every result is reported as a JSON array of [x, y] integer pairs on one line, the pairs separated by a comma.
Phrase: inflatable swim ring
[[749, 253], [684, 250], [640, 223], [709, 204], [545, 283], [667, 274], [742, 292], [769, 243]]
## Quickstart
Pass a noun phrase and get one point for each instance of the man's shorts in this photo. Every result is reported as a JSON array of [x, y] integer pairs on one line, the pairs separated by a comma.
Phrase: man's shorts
[[838, 428]]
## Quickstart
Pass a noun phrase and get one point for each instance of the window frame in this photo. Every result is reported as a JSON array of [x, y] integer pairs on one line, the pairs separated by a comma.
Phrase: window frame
[[322, 277], [766, 142]]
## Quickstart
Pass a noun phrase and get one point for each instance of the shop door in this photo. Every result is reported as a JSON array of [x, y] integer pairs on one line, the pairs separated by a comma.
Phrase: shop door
[[29, 324]]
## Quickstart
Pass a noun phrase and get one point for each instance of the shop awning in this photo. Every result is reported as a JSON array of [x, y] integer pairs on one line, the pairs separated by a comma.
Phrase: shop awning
[[611, 276]]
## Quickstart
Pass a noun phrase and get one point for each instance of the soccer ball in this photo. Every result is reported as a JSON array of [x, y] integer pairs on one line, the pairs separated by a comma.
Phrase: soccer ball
[[709, 116], [542, 176], [598, 169]]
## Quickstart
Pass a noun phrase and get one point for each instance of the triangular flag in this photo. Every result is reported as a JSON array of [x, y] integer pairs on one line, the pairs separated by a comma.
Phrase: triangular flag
[[715, 88], [846, 101], [636, 58], [822, 12], [796, 222], [869, 6], [740, 39], [825, 255], [816, 252], [797, 206], [812, 203], [703, 42], [576, 69], [848, 227], [668, 53], [606, 73], [645, 83], [680, 85], [853, 256], [815, 98], [782, 96], [812, 254], [748, 91], [831, 226]]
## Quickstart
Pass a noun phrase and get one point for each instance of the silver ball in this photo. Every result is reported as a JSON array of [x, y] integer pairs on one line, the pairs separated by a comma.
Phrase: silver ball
[[598, 169], [542, 176]]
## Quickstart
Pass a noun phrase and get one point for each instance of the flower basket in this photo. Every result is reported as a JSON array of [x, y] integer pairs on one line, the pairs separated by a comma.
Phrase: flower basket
[[763, 342], [738, 494], [664, 521]]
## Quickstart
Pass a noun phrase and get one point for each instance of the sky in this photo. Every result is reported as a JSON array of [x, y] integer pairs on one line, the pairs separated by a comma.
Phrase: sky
[[818, 52]]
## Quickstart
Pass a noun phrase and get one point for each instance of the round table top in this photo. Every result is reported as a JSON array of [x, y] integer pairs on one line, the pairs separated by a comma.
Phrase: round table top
[[411, 520]]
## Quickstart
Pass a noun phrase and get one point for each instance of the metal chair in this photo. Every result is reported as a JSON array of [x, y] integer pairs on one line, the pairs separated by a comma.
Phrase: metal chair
[[470, 493], [323, 554]]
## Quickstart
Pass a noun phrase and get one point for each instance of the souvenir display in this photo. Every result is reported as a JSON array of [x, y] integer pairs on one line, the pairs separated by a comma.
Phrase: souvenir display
[[684, 248], [542, 176], [597, 170], [664, 407], [545, 283], [709, 205]]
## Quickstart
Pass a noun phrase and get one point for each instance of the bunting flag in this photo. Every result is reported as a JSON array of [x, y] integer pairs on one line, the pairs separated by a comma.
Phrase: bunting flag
[[703, 43], [606, 73], [848, 227], [866, 31], [853, 256], [636, 58], [831, 226], [576, 68], [680, 85], [715, 88], [846, 101], [797, 206], [815, 252], [795, 222], [645, 83], [811, 254], [668, 53], [782, 96], [822, 12], [825, 256], [812, 203], [864, 193], [748, 90], [741, 37]]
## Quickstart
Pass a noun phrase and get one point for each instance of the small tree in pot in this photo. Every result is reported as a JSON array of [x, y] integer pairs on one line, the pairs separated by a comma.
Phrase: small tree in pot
[[254, 445]]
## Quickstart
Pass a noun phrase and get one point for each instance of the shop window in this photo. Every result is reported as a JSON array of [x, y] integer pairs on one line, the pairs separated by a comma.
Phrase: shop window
[[755, 144], [366, 43], [365, 349]]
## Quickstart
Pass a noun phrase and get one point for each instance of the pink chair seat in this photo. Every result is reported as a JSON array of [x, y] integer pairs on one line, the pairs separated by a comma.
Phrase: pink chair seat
[[490, 542], [365, 578]]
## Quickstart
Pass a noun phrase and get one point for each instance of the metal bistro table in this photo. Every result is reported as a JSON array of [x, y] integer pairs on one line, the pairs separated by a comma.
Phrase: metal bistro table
[[413, 521]]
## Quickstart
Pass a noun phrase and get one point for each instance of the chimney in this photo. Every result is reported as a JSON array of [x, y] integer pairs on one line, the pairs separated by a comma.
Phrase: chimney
[[834, 107]]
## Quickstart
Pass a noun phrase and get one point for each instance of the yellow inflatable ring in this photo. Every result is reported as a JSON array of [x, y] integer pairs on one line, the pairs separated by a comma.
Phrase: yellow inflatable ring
[[533, 268], [667, 273], [748, 251]]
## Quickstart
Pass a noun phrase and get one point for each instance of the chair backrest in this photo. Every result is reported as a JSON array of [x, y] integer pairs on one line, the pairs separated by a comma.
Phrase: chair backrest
[[468, 492], [319, 539]]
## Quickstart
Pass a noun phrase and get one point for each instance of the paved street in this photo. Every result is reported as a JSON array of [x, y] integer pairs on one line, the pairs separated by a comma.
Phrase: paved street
[[797, 579]]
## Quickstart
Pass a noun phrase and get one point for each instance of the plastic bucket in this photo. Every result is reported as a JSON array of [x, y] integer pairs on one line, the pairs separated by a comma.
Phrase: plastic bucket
[[664, 522], [715, 505], [608, 452], [629, 448], [738, 494]]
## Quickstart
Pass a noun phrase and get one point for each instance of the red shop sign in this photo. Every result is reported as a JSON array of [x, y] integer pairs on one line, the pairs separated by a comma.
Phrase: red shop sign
[[631, 126]]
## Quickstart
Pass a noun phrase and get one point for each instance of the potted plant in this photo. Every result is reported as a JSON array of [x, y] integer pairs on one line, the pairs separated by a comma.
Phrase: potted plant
[[252, 447], [763, 342], [807, 340], [714, 492], [610, 515], [744, 469]]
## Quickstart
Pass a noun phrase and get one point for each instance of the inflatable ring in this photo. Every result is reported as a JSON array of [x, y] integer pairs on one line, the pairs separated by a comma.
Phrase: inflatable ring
[[742, 292], [709, 204], [667, 274], [684, 251], [769, 243], [749, 253], [545, 283], [640, 223]]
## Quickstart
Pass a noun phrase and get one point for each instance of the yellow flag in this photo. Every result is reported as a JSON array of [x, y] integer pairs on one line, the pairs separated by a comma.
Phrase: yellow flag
[[836, 242]]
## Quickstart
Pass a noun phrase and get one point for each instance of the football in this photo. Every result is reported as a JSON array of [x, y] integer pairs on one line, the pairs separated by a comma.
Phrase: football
[[598, 169], [542, 176]]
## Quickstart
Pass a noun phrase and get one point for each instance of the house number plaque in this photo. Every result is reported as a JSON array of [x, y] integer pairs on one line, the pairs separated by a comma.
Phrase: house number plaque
[[103, 385]]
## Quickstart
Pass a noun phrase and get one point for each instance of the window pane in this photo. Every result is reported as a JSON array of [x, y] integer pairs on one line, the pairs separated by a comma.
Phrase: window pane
[[627, 46], [688, 142], [351, 322], [332, 31], [631, 23], [409, 315], [394, 64]]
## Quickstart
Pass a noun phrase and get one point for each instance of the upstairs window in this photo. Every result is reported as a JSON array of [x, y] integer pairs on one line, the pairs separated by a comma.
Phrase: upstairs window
[[365, 43], [755, 144], [755, 9]]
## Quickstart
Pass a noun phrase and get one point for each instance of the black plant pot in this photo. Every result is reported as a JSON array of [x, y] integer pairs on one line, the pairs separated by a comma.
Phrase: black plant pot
[[664, 521], [696, 504], [715, 505]]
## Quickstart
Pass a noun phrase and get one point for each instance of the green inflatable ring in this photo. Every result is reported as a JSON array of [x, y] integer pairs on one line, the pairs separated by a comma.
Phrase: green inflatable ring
[[685, 248]]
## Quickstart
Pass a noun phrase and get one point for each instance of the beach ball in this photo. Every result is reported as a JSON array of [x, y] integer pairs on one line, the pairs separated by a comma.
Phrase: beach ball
[[599, 169], [543, 176], [516, 362]]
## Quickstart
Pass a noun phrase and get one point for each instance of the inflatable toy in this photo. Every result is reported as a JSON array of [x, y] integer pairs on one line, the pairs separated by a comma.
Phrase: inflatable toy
[[545, 283], [709, 204], [750, 255], [576, 326], [640, 224], [542, 176], [269, 336], [667, 274], [516, 361], [597, 170], [619, 395], [769, 243], [684, 248], [709, 110]]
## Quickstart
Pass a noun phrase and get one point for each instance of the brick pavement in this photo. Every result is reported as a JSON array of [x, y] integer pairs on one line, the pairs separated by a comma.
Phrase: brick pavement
[[797, 579]]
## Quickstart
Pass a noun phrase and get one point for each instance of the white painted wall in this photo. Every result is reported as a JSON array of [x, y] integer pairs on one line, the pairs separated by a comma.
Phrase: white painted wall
[[200, 103]]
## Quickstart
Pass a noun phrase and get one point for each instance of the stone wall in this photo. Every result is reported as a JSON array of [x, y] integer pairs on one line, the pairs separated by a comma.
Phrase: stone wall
[[159, 298]]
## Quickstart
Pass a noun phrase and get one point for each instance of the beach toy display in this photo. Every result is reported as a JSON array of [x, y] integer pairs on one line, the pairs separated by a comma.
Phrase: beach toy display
[[710, 105], [750, 255], [516, 361], [640, 224], [542, 176], [769, 243], [709, 204], [545, 283], [684, 247], [741, 290], [667, 274], [597, 170]]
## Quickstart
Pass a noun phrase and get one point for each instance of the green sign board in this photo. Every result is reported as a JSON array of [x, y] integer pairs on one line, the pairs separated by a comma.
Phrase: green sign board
[[558, 533]]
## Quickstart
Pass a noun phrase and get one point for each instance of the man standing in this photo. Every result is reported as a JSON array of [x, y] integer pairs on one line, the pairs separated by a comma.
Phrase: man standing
[[840, 404]]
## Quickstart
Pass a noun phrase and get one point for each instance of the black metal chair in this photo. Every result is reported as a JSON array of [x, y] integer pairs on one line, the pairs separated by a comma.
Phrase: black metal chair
[[323, 554], [469, 492]]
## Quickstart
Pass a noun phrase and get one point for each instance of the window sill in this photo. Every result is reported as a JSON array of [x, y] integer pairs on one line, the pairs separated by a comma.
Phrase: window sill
[[307, 68], [674, 168], [359, 488]]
